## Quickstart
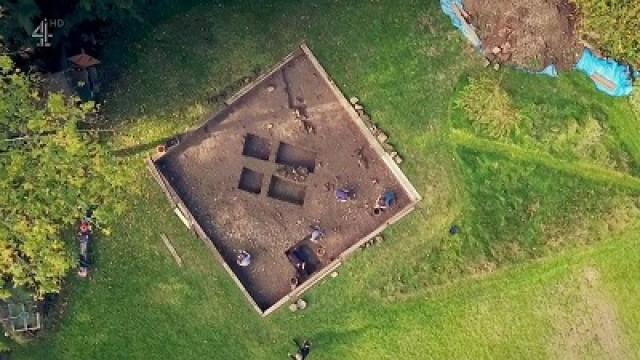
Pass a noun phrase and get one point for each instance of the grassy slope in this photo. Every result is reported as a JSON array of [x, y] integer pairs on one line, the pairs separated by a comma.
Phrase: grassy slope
[[403, 60], [549, 105], [628, 128], [577, 168]]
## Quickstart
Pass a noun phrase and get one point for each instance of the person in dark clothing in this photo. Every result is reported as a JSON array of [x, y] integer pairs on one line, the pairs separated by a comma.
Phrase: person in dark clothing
[[244, 258], [343, 195], [316, 235], [303, 350], [386, 200]]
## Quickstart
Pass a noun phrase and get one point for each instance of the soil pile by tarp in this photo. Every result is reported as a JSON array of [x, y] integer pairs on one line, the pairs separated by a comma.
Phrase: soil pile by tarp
[[531, 34]]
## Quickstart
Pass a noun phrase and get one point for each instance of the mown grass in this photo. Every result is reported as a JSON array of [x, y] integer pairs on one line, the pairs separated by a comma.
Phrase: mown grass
[[522, 209], [140, 306], [407, 298]]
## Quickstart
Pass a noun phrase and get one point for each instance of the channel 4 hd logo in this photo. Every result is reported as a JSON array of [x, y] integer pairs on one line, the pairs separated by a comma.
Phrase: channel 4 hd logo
[[44, 31]]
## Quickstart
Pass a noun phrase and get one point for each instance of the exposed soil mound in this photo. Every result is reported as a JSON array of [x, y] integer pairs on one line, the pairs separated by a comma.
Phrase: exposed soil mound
[[531, 34]]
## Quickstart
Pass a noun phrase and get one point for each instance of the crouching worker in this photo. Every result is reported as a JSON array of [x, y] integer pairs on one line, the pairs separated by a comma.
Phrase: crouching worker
[[244, 258], [344, 194], [385, 201], [303, 351]]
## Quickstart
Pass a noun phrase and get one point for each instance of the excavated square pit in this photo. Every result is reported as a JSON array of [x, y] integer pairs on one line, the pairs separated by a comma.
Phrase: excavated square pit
[[260, 175]]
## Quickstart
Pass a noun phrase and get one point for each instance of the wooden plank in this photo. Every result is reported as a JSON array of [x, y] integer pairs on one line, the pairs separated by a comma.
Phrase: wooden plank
[[603, 81], [300, 290], [345, 254], [171, 249], [159, 179], [181, 216]]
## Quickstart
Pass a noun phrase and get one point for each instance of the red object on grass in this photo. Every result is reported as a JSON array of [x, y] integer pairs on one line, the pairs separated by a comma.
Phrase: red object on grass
[[84, 227]]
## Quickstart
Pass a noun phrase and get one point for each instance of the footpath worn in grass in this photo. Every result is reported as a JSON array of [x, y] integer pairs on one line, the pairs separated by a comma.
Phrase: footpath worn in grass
[[571, 168], [404, 61]]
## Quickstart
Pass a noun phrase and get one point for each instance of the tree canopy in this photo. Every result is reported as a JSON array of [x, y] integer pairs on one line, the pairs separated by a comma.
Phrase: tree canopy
[[50, 172]]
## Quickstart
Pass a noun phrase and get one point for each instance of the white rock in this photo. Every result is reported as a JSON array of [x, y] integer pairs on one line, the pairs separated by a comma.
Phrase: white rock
[[302, 304]]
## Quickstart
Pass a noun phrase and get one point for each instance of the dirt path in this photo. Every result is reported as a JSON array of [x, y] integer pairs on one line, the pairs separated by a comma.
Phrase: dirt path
[[589, 326], [531, 34]]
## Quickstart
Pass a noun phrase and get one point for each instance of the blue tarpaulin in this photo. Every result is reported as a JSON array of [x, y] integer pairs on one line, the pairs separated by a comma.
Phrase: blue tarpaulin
[[609, 76], [549, 70], [453, 9], [447, 8]]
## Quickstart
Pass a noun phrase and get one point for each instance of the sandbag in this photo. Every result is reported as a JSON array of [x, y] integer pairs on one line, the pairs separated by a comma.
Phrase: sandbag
[[609, 76]]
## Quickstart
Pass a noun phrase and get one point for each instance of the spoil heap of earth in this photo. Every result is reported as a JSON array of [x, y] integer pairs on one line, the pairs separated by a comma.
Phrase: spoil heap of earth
[[529, 34]]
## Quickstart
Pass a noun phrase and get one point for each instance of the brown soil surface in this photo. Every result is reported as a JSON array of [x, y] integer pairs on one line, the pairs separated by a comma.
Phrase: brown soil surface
[[530, 34], [262, 173]]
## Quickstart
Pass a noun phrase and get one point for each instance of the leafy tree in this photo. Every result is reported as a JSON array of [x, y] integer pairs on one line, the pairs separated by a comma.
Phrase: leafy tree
[[50, 171]]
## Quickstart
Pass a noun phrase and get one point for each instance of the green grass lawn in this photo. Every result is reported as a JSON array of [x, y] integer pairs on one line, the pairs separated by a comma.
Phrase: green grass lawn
[[420, 294], [140, 306]]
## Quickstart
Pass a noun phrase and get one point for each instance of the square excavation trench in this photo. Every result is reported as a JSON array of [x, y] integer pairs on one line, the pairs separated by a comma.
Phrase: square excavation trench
[[256, 147], [296, 157], [250, 181], [226, 180], [286, 191]]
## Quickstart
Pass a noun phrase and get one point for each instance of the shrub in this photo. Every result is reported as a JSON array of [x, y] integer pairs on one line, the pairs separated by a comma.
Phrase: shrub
[[587, 141], [489, 107]]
